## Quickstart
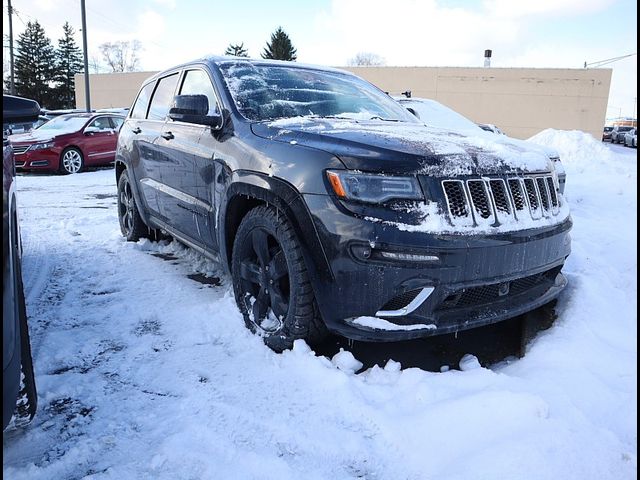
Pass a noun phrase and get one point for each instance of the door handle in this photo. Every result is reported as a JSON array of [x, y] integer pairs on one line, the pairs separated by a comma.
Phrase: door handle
[[136, 130], [167, 135]]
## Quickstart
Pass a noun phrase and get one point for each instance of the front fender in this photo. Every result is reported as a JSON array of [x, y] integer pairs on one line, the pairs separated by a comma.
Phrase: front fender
[[247, 187]]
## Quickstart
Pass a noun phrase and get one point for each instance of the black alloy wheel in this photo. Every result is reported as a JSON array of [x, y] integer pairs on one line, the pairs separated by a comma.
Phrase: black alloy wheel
[[270, 280], [131, 224]]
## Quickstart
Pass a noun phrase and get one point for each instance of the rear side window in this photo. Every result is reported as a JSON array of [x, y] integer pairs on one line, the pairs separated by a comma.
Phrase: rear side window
[[162, 97], [197, 82], [140, 108]]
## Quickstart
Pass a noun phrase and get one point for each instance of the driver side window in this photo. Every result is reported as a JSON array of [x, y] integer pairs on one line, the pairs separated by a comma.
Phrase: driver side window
[[197, 82]]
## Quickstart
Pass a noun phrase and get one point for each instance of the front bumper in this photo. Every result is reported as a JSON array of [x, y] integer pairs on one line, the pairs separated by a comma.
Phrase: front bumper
[[476, 279], [46, 159]]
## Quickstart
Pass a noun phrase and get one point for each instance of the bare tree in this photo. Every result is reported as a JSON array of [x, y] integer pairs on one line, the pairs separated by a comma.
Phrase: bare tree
[[121, 56], [364, 59]]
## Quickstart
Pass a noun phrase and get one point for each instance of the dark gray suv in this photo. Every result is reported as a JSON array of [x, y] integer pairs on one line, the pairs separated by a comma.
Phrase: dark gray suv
[[333, 208]]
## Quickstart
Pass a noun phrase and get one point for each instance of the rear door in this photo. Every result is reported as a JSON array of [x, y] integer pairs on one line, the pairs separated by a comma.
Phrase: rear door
[[139, 134]]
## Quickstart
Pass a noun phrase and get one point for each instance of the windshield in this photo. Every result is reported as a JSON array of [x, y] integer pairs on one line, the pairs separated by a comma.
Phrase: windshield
[[624, 129], [64, 123], [269, 92]]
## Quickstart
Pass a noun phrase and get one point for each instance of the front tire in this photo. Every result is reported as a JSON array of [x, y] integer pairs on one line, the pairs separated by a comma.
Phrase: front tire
[[71, 161], [131, 224], [271, 282]]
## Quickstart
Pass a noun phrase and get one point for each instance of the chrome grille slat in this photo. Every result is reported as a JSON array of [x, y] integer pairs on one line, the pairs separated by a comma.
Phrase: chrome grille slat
[[492, 201], [19, 149]]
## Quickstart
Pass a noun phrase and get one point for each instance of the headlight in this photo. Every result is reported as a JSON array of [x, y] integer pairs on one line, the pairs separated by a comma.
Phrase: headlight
[[364, 187], [41, 146]]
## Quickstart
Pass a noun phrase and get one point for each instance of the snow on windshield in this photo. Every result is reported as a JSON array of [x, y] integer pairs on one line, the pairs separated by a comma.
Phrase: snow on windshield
[[271, 91], [64, 123]]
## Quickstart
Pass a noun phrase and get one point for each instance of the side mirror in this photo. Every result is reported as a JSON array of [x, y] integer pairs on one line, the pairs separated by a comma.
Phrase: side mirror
[[194, 109], [90, 130]]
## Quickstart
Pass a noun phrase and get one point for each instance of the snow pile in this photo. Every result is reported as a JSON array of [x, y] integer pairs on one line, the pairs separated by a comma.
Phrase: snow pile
[[145, 373], [576, 148]]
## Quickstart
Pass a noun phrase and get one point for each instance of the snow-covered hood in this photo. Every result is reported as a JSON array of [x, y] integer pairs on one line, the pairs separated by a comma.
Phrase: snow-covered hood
[[32, 137], [395, 147]]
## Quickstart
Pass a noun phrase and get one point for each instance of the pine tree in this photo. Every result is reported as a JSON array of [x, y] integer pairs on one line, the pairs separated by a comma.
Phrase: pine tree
[[280, 47], [34, 65], [236, 50], [68, 63]]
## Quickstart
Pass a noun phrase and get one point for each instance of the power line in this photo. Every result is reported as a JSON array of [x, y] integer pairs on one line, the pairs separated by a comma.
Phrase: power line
[[601, 63]]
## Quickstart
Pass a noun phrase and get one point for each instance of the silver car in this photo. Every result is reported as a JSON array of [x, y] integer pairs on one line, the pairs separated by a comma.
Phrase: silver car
[[631, 138]]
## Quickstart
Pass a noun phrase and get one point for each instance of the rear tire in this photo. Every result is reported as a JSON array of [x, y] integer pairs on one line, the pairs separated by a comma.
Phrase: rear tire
[[271, 282], [131, 224]]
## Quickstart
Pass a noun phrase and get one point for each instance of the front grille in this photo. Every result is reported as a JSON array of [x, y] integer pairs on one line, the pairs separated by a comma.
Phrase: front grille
[[20, 149], [495, 200], [486, 294], [401, 301]]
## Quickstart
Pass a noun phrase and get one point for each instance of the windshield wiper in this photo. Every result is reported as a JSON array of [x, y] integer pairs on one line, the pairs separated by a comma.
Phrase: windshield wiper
[[384, 119]]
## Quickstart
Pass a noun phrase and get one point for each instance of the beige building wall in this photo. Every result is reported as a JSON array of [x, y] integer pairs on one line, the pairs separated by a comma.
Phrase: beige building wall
[[110, 90], [521, 101]]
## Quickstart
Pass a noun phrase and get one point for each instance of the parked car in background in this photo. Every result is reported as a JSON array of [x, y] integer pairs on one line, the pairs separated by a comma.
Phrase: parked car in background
[[618, 132], [69, 143], [436, 114], [63, 111], [19, 398], [489, 127], [333, 208], [631, 138], [606, 134]]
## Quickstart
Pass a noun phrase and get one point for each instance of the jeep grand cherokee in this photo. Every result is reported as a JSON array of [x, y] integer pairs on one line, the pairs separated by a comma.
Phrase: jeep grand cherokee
[[333, 208]]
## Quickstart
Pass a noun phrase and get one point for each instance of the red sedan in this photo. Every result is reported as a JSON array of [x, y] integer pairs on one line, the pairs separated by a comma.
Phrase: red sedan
[[68, 143]]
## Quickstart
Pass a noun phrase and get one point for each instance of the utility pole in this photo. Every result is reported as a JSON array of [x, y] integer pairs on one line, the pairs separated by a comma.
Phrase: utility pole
[[87, 96], [12, 84]]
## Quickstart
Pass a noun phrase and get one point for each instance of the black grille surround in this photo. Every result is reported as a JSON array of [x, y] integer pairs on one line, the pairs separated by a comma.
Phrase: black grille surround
[[494, 201]]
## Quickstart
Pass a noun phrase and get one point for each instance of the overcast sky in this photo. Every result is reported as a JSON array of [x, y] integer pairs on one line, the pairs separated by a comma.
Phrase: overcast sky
[[521, 33]]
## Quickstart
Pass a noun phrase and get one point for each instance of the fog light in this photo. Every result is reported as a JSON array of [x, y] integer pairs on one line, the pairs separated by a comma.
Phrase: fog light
[[407, 257]]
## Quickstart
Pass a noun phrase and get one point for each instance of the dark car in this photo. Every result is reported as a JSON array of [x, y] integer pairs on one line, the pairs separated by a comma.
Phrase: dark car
[[606, 134], [333, 208], [618, 132], [19, 397], [69, 143]]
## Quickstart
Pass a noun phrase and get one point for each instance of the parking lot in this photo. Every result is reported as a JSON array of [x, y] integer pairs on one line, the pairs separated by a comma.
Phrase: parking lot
[[145, 368]]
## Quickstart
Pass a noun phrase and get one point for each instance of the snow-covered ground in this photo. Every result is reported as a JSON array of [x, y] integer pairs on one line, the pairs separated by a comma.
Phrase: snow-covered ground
[[144, 373]]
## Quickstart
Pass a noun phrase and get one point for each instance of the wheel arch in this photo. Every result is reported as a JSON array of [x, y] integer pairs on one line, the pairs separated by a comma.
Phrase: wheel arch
[[251, 190]]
